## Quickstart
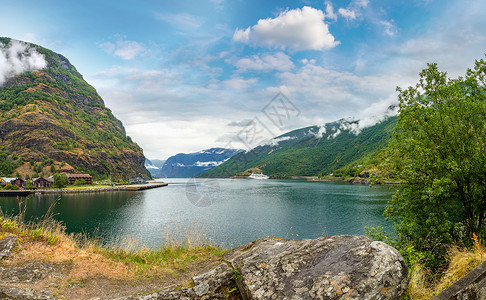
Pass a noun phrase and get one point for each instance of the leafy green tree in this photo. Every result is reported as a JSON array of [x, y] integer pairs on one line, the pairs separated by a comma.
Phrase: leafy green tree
[[80, 182], [439, 150], [60, 180]]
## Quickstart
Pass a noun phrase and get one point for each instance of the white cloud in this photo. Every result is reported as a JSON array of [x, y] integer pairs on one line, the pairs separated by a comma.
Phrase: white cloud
[[361, 3], [354, 9], [347, 13], [18, 57], [389, 27], [320, 132], [124, 49], [218, 3], [239, 83], [182, 20], [297, 29], [274, 142], [266, 62], [330, 14]]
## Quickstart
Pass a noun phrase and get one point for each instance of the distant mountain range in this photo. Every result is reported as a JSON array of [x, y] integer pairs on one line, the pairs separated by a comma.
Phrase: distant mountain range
[[186, 165], [310, 151], [154, 166]]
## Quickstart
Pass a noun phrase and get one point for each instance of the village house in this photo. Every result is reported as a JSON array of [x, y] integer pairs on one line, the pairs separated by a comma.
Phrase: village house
[[73, 177], [6, 180], [19, 182], [41, 182]]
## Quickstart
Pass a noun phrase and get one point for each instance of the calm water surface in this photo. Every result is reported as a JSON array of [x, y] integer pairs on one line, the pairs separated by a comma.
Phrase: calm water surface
[[229, 211]]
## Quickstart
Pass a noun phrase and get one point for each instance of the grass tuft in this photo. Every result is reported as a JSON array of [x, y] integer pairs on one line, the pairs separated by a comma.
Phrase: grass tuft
[[423, 285]]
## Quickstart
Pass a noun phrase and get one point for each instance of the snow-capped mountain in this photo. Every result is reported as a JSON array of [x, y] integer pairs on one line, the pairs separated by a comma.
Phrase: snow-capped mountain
[[186, 165]]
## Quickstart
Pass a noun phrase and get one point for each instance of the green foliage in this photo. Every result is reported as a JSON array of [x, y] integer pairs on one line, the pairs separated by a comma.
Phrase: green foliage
[[7, 165], [80, 182], [439, 152], [11, 187], [60, 180]]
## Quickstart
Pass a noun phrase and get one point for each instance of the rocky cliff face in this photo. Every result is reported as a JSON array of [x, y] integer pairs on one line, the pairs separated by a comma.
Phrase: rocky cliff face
[[53, 115]]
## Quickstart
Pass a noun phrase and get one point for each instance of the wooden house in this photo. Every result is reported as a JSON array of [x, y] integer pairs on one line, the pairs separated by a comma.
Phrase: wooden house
[[6, 180], [41, 182], [73, 177], [19, 182]]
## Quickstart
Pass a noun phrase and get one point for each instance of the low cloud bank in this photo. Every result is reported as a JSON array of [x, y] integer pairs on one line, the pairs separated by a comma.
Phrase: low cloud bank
[[18, 57]]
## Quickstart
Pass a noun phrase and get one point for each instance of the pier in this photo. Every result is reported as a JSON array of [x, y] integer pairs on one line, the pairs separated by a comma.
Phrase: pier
[[141, 187], [134, 187]]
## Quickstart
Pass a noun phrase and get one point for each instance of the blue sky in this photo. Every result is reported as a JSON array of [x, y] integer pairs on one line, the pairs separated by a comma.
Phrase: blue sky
[[189, 75]]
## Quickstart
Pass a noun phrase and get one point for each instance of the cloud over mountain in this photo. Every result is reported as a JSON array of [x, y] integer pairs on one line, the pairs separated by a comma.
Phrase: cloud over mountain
[[18, 57]]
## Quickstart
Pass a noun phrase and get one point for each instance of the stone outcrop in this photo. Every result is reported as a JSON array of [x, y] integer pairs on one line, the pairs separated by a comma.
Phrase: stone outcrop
[[336, 267], [6, 245], [470, 287], [215, 284]]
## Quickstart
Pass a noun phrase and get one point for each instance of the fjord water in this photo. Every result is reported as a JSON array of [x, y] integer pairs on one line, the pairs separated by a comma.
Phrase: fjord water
[[228, 211]]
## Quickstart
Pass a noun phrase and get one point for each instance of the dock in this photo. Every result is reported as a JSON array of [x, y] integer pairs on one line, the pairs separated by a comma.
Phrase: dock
[[133, 187], [147, 186], [15, 192]]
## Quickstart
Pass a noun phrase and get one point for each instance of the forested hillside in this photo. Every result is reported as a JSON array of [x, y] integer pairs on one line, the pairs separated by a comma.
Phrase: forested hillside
[[310, 151]]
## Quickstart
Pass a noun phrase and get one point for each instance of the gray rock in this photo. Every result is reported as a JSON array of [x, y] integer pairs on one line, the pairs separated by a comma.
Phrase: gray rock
[[6, 245], [17, 293], [30, 273], [214, 284], [337, 267]]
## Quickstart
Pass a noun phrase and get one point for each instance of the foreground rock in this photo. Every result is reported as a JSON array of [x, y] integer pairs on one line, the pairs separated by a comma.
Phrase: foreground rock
[[337, 267], [6, 245]]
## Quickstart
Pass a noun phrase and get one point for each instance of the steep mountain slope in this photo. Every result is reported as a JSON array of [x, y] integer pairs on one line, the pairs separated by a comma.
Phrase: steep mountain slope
[[52, 120], [309, 151], [185, 165]]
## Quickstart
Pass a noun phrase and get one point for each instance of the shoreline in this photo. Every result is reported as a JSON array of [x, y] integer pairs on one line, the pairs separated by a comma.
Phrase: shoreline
[[129, 188]]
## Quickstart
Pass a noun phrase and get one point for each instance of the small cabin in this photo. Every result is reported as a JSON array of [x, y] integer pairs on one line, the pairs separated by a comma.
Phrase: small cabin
[[73, 177], [6, 180], [41, 182], [19, 182]]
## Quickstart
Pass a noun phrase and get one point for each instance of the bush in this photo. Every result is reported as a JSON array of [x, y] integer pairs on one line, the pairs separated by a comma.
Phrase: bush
[[11, 187], [80, 182]]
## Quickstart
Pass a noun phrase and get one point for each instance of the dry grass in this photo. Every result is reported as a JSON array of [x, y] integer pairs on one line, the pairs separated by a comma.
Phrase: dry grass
[[461, 262]]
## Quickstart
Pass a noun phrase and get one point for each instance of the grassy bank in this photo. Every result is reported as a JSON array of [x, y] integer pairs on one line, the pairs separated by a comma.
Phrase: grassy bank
[[91, 270]]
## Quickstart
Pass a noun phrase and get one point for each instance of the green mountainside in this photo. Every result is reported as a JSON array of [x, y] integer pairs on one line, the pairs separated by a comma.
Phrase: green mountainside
[[310, 151], [52, 120]]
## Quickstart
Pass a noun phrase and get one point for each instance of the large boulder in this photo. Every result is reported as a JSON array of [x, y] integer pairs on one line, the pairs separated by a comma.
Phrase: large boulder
[[335, 267]]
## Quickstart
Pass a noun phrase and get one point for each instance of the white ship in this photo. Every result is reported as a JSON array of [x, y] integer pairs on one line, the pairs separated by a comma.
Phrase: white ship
[[258, 176]]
